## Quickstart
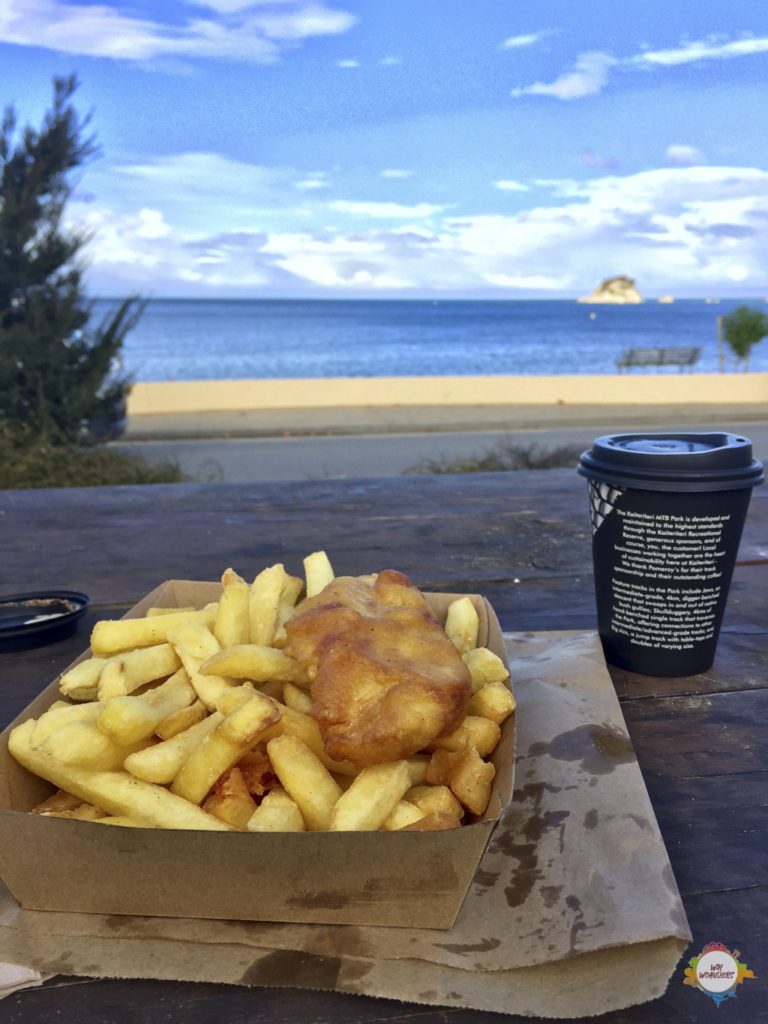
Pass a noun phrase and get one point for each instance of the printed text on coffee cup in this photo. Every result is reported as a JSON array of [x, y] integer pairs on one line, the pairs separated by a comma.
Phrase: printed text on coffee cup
[[667, 578]]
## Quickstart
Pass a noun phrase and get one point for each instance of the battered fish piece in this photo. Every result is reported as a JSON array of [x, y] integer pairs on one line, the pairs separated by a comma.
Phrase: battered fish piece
[[386, 680]]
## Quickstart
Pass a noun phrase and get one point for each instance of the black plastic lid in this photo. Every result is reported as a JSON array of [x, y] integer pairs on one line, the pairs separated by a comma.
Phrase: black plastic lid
[[673, 462], [40, 617]]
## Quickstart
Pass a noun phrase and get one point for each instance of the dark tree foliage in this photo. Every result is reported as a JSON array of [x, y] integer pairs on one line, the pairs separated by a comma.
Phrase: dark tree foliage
[[58, 375], [743, 328]]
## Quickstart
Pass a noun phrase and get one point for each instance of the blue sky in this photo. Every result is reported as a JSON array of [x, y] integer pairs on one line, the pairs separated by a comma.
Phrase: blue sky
[[501, 148]]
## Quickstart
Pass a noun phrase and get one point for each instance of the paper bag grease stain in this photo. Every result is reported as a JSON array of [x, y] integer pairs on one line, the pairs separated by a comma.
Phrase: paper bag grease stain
[[598, 748], [574, 910]]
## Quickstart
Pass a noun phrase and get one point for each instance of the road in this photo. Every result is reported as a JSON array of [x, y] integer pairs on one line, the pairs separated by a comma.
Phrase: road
[[250, 460]]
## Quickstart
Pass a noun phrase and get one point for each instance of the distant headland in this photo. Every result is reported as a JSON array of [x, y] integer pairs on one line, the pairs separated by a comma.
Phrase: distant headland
[[619, 290]]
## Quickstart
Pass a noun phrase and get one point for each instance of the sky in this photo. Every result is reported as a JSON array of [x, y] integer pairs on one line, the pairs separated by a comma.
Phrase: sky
[[409, 148]]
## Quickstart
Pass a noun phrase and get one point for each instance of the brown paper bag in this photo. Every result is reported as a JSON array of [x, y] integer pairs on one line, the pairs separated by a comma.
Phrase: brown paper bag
[[574, 910]]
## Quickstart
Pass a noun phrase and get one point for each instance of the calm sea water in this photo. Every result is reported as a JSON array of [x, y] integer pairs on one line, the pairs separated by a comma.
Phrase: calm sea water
[[204, 340]]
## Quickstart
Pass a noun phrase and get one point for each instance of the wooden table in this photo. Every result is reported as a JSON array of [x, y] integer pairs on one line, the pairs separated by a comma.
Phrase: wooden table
[[523, 540]]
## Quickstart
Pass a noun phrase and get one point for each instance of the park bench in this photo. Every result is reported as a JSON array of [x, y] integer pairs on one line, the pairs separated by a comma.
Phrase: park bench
[[679, 357]]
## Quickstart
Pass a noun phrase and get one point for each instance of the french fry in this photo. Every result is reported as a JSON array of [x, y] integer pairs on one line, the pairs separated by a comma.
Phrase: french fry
[[306, 729], [85, 745], [462, 624], [417, 766], [56, 717], [132, 669], [126, 720], [83, 812], [481, 733], [223, 748], [169, 611], [118, 635], [180, 720], [471, 779], [484, 667], [263, 602], [298, 700], [466, 773], [118, 793], [494, 701], [112, 681], [440, 767], [124, 820], [195, 644], [230, 800], [276, 813], [435, 800], [404, 814], [82, 681], [432, 823], [244, 725], [232, 625], [162, 762], [256, 662], [229, 576], [60, 801], [131, 719], [289, 595], [306, 780], [318, 572], [371, 798]]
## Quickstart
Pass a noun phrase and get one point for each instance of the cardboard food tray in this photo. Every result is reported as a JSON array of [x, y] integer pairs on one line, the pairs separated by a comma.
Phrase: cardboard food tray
[[399, 879]]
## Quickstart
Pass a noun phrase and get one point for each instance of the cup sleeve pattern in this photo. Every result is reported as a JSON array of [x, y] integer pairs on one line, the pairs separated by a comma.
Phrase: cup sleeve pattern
[[602, 500]]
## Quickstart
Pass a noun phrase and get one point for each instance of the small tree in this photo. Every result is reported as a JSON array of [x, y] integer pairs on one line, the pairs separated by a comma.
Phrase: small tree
[[743, 328], [58, 376]]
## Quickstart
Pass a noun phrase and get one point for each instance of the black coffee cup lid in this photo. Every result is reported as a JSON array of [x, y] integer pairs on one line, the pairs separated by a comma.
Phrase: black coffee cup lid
[[673, 462]]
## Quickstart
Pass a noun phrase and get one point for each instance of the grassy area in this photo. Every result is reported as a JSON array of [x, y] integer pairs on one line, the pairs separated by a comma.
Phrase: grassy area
[[503, 458], [42, 465]]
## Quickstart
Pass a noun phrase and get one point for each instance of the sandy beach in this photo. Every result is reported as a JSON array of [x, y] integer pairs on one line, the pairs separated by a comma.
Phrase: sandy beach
[[396, 404]]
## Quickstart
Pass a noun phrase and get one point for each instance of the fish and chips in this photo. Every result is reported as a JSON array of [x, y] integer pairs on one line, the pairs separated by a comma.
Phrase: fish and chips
[[350, 709]]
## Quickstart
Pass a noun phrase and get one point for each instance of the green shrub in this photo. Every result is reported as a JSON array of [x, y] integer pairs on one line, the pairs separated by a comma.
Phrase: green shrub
[[743, 328], [40, 464], [503, 458]]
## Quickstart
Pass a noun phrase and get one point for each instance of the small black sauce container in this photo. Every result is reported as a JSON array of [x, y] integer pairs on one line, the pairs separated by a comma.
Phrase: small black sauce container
[[667, 513]]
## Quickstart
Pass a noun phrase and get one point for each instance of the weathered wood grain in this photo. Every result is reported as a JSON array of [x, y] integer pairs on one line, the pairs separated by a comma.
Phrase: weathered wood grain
[[481, 527]]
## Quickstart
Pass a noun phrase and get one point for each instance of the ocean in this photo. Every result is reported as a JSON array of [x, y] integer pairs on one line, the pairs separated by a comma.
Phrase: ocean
[[181, 339]]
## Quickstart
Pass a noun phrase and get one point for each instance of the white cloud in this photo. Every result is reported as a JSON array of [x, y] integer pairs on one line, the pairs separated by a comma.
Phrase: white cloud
[[507, 185], [536, 282], [396, 173], [349, 63], [703, 49], [312, 183], [236, 32], [152, 224], [529, 39], [384, 210], [231, 6], [390, 61], [213, 226], [684, 155], [588, 76]]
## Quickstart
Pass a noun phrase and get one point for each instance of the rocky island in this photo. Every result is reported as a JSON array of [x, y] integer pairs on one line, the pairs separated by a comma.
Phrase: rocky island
[[617, 290]]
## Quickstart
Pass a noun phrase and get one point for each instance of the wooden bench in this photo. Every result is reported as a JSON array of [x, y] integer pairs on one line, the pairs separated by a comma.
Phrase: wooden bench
[[679, 357]]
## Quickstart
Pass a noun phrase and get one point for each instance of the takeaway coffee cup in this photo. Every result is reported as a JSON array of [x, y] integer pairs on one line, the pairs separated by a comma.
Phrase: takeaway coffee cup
[[667, 513]]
